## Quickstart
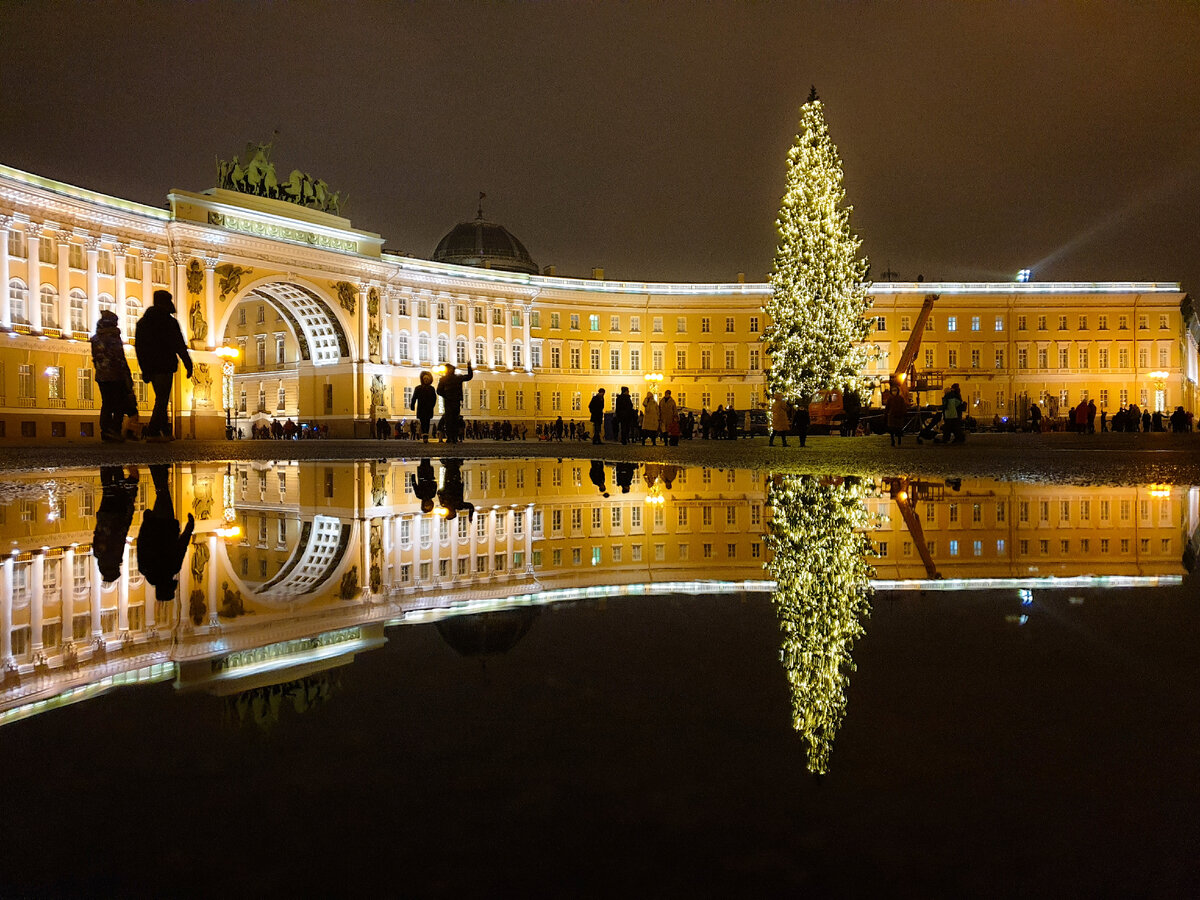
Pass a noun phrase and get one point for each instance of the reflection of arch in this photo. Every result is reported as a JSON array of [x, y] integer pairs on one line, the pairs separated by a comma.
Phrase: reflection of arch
[[322, 335], [489, 633], [316, 558]]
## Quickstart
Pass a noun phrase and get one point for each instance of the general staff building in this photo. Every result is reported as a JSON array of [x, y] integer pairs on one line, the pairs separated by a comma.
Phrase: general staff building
[[330, 328]]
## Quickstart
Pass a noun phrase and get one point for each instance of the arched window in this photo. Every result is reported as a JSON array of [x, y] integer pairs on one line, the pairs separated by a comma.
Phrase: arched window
[[79, 306], [17, 296], [460, 351], [49, 306], [107, 302], [516, 355], [423, 348], [133, 312], [480, 352], [262, 397], [402, 346], [498, 353], [443, 349]]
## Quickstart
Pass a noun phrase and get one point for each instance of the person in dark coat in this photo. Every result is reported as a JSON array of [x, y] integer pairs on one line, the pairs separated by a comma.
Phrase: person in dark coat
[[732, 420], [159, 343], [801, 420], [852, 405], [424, 484], [424, 401], [625, 415], [597, 475], [624, 476], [451, 493], [117, 399], [450, 389], [596, 410], [113, 518], [160, 544], [896, 411]]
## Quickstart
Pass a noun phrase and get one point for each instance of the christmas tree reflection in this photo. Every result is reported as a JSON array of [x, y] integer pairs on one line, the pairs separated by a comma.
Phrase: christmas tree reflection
[[819, 561]]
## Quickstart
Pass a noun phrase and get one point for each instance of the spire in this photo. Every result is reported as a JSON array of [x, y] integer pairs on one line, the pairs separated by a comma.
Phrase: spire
[[479, 214], [812, 95]]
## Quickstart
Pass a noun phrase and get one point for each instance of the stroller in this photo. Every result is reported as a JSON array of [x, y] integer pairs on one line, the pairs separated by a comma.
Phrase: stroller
[[927, 428]]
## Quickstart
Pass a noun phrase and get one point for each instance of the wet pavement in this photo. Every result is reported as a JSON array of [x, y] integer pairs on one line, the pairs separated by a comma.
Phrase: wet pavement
[[1068, 458]]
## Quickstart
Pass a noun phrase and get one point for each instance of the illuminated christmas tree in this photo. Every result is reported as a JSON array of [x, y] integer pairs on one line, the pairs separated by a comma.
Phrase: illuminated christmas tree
[[818, 558], [819, 299]]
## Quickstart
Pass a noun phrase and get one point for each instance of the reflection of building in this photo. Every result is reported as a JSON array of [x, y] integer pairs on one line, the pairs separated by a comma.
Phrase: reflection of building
[[333, 329]]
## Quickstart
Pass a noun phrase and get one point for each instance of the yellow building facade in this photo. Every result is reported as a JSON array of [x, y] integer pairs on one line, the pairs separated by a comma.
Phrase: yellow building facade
[[332, 329]]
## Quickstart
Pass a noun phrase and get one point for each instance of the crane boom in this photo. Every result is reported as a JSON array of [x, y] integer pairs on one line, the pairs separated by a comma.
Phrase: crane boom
[[914, 340]]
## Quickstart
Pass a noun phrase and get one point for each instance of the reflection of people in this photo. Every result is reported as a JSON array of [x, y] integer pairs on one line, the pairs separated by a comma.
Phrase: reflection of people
[[159, 342], [625, 415], [450, 389], [596, 411], [451, 493], [424, 400], [113, 518], [596, 474], [624, 476], [161, 547], [424, 485]]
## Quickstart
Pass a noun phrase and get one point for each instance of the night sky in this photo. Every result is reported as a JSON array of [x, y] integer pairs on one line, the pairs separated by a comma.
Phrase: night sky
[[649, 138]]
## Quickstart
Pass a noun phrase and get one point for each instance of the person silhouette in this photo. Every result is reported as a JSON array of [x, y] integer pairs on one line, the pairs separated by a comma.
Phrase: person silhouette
[[624, 476], [161, 546], [596, 473], [424, 485], [113, 519], [451, 493]]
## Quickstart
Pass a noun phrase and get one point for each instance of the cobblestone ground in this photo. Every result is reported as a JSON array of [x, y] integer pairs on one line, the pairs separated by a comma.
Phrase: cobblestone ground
[[1078, 459]]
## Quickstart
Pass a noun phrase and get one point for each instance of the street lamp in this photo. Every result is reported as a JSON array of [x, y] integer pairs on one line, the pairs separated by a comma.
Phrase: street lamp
[[228, 354], [652, 379]]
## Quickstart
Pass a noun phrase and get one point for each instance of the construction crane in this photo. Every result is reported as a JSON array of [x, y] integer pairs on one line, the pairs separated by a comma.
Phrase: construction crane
[[906, 378], [905, 493]]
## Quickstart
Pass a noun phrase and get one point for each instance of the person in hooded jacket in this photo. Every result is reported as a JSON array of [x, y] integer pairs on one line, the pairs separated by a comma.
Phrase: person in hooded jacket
[[114, 378], [424, 401], [113, 518], [159, 344]]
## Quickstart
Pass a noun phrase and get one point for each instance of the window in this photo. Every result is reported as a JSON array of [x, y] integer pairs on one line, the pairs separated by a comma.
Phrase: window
[[1162, 322], [658, 324], [635, 359], [535, 318], [1062, 323], [594, 322], [656, 360], [83, 384], [16, 299], [1162, 357], [705, 359], [133, 312], [975, 323], [1123, 358], [443, 349], [555, 358], [754, 324], [480, 352], [1043, 356], [402, 347], [16, 244], [535, 356], [951, 323], [460, 351], [1102, 355], [1143, 357], [1083, 357], [929, 357], [952, 358], [999, 323], [1021, 323], [49, 306], [497, 315], [25, 386], [730, 359], [517, 357], [999, 359], [1062, 358], [1122, 323], [574, 322], [704, 325], [1041, 323], [554, 320], [1143, 323], [498, 354], [754, 359], [77, 257], [595, 358], [576, 355], [974, 359], [728, 324], [54, 382], [614, 360], [680, 359]]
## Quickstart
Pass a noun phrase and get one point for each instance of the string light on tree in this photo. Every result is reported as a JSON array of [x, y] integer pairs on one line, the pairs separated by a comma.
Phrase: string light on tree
[[816, 311]]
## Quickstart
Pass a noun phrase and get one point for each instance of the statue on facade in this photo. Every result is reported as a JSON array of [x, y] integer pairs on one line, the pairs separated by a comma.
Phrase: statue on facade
[[199, 326], [195, 277], [257, 176], [378, 403], [231, 278], [347, 295], [202, 382]]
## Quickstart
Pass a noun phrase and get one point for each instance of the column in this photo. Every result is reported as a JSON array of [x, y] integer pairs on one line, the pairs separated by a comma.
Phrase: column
[[64, 282], [509, 516], [490, 331], [119, 285], [413, 306], [66, 594], [94, 584], [471, 330], [6, 223], [37, 569], [436, 554], [123, 591], [6, 591], [210, 574], [147, 254], [33, 306], [508, 337], [210, 300], [360, 310], [178, 285], [93, 283], [385, 326], [529, 538], [491, 526], [453, 551], [527, 339]]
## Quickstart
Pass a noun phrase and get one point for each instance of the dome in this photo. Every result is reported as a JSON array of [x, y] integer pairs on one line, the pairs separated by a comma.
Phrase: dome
[[486, 245]]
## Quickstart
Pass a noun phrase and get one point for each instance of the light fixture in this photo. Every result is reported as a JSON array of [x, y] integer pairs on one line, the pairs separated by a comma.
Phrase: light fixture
[[1024, 275]]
